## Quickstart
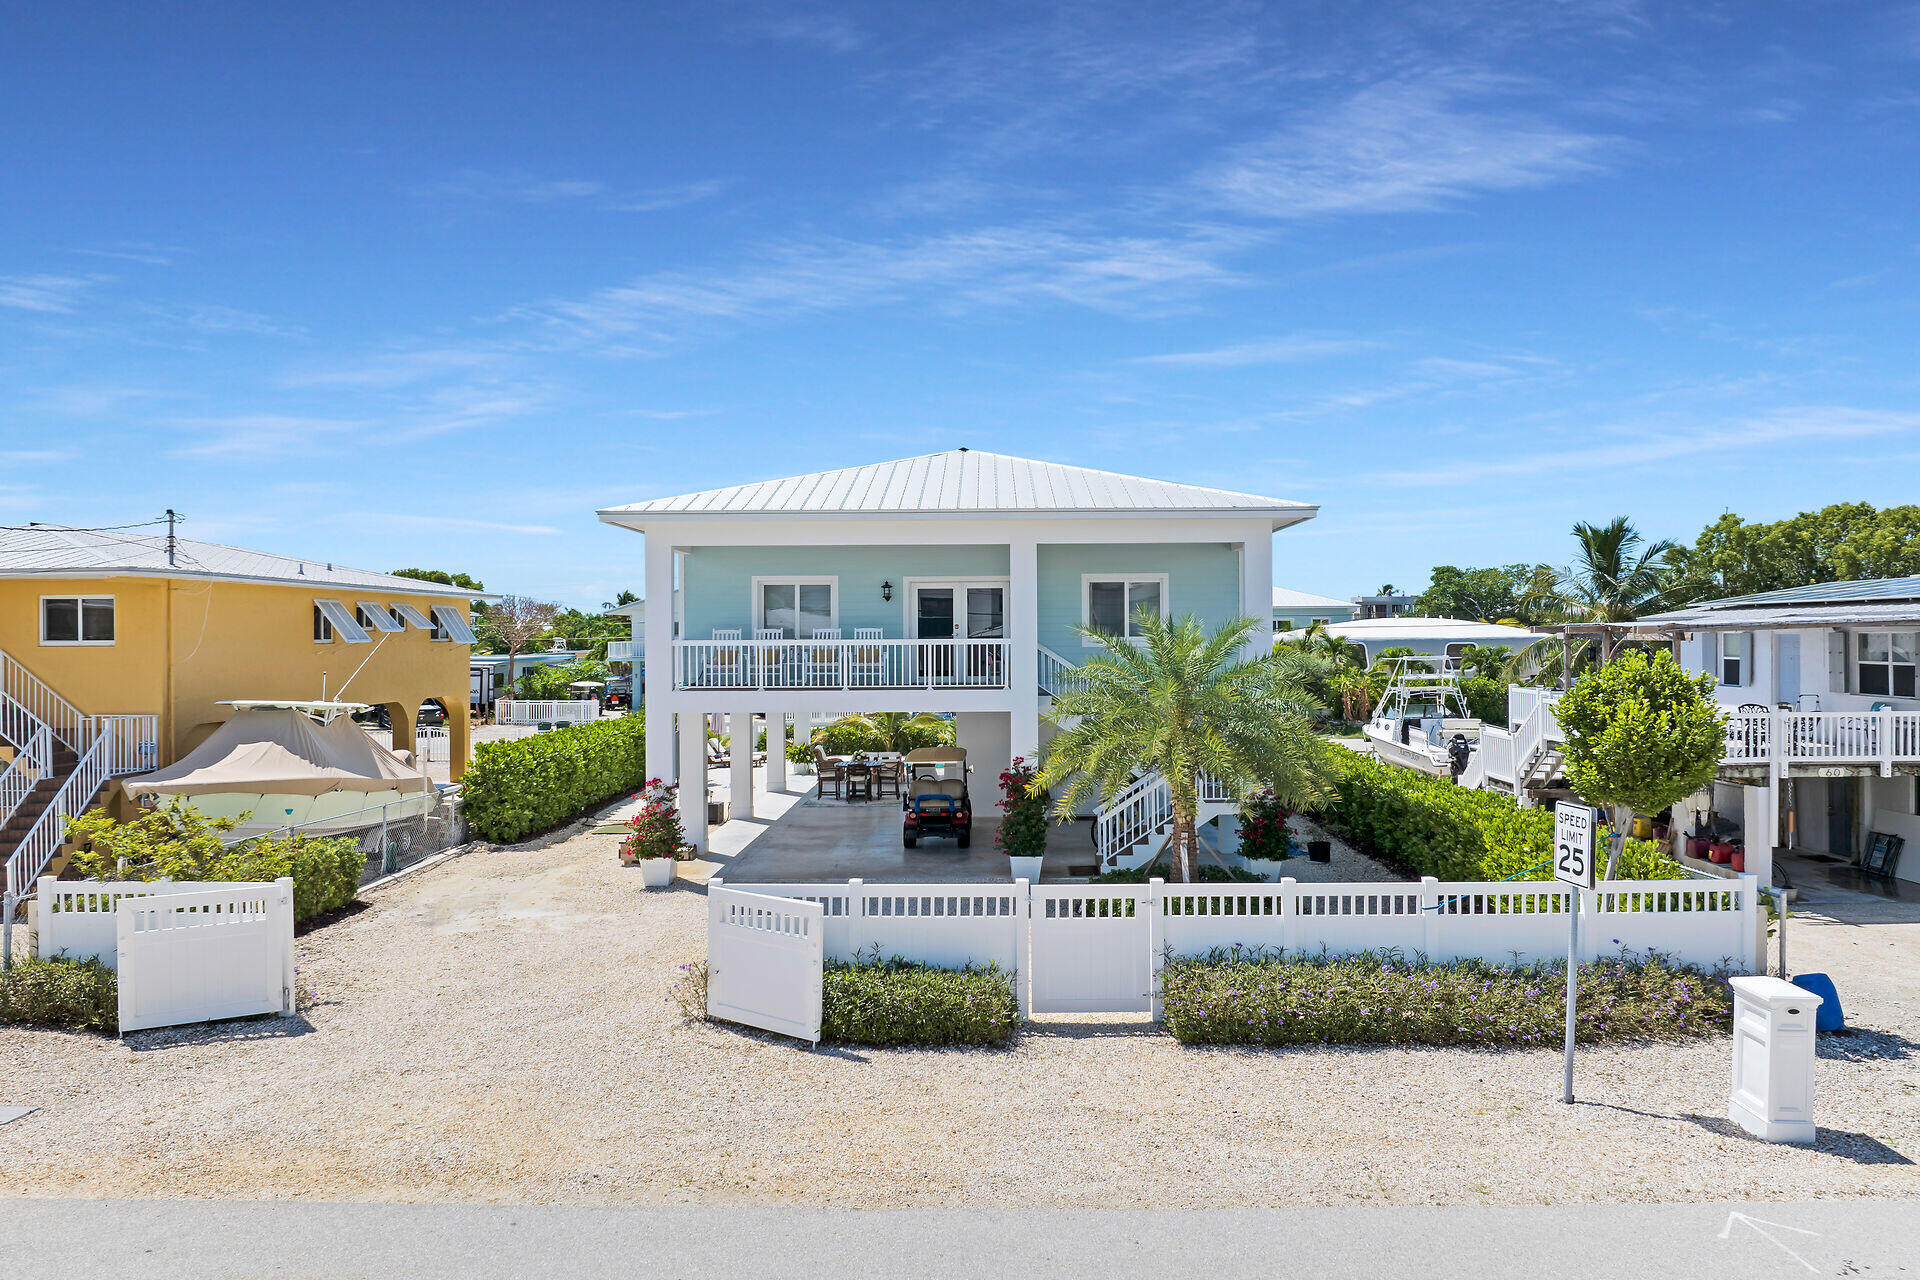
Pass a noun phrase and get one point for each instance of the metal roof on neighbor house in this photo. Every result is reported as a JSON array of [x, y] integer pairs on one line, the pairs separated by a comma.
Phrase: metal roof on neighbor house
[[1867, 589], [1823, 604], [1284, 598], [51, 551], [961, 481]]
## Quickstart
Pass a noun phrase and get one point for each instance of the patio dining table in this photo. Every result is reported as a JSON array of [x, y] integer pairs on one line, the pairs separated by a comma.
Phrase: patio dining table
[[888, 760]]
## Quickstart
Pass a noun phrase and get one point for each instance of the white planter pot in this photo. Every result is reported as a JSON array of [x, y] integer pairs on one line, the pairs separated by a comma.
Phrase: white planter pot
[[1027, 869], [656, 873], [804, 767]]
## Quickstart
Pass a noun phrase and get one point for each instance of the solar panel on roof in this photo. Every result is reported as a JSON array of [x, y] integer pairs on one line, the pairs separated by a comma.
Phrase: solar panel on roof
[[1830, 593]]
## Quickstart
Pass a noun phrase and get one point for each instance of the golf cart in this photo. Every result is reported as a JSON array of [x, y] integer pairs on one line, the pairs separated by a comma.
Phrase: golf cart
[[936, 802]]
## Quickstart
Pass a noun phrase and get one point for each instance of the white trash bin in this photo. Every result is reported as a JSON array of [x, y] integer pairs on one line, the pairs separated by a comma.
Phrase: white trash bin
[[1773, 1052]]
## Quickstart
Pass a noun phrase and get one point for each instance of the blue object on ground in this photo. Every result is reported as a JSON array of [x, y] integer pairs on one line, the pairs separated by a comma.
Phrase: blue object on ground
[[1830, 1017]]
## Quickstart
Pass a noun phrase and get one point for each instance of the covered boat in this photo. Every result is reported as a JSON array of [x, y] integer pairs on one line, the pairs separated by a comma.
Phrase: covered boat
[[283, 764]]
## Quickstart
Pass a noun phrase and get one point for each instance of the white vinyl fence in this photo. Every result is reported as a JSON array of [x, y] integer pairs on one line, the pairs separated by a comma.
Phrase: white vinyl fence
[[565, 711], [184, 952], [1098, 948]]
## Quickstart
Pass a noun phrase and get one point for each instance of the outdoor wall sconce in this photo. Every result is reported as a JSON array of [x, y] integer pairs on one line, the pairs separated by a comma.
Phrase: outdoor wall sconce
[[886, 591]]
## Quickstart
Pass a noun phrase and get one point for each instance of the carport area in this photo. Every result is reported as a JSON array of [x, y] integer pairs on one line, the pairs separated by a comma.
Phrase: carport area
[[796, 835]]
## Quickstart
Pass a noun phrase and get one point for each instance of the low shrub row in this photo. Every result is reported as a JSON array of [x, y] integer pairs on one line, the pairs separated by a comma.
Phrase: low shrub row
[[891, 1002], [1432, 827], [326, 873], [1260, 999], [520, 786], [73, 995]]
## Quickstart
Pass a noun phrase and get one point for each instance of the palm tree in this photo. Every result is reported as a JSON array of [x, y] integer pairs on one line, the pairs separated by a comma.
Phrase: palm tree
[[1183, 703], [1616, 576], [1485, 660], [897, 731]]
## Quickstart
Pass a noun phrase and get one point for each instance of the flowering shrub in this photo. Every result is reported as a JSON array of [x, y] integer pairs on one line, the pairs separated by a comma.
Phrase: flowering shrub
[[1253, 997], [1263, 828], [1023, 832], [656, 828]]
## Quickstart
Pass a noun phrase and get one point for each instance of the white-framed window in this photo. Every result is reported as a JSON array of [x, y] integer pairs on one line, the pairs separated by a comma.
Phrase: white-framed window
[[799, 606], [76, 619], [322, 628], [1457, 648], [1884, 663], [1113, 602], [1325, 622], [1733, 657]]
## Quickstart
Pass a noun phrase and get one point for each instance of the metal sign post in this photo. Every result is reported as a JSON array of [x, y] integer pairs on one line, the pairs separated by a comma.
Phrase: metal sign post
[[1573, 826]]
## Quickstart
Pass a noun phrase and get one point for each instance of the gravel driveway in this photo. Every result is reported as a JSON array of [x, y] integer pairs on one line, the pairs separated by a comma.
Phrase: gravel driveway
[[497, 1028]]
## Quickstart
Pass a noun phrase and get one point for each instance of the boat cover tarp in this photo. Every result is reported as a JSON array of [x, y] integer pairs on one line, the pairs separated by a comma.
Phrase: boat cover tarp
[[282, 753]]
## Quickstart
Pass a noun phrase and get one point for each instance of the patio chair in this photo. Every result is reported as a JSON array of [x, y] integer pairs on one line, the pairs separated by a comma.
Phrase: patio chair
[[867, 664], [726, 661], [718, 753], [827, 773], [821, 666], [772, 654], [889, 773]]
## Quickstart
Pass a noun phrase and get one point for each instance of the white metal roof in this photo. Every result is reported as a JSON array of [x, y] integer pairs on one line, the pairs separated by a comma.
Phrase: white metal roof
[[1456, 629], [51, 551], [1780, 618], [960, 481], [1284, 598]]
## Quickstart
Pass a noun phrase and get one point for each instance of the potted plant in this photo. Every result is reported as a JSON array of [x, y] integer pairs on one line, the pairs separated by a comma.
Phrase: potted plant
[[655, 841], [1023, 831]]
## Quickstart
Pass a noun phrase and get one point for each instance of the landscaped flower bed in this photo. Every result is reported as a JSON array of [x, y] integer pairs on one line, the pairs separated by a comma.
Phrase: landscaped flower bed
[[891, 1002], [1262, 999]]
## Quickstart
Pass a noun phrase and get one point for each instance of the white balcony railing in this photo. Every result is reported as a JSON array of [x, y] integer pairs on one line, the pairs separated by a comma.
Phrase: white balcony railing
[[1823, 737], [839, 664], [620, 651]]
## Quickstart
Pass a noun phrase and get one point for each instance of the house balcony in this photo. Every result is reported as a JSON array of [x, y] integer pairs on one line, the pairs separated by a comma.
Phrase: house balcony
[[821, 663], [620, 651], [1822, 743]]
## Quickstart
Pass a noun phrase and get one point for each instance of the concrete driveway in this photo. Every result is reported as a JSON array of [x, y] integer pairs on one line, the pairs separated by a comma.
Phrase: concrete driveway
[[795, 835]]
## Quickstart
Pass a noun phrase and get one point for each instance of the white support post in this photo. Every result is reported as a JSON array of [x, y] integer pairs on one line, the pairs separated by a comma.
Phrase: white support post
[[856, 917], [1759, 855], [693, 778], [1023, 645], [1430, 917], [283, 922], [1883, 732], [1289, 910], [1152, 902], [740, 754], [776, 751], [1023, 944], [654, 678], [1256, 586]]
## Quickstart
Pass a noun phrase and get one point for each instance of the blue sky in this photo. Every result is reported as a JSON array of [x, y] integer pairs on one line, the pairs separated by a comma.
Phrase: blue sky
[[400, 284]]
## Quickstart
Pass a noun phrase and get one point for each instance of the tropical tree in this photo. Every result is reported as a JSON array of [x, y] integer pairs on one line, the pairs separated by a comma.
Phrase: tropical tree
[[512, 625], [1642, 735], [1616, 576], [1486, 660], [1184, 704], [885, 731]]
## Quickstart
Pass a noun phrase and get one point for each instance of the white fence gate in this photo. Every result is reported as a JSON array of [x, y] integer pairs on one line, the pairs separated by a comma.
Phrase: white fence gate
[[1099, 948], [764, 961], [184, 952]]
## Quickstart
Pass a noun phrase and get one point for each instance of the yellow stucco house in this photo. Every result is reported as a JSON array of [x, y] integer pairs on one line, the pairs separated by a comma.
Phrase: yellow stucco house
[[117, 649]]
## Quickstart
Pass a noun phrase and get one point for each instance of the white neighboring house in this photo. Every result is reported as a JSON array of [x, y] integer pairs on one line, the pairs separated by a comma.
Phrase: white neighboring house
[[1823, 734], [1440, 637], [949, 583], [1294, 610]]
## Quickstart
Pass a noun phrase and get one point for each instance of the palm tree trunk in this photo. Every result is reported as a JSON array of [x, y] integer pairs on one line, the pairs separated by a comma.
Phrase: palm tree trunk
[[1183, 846]]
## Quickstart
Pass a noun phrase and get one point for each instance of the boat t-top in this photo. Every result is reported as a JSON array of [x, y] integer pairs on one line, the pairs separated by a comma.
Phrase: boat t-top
[[1422, 721]]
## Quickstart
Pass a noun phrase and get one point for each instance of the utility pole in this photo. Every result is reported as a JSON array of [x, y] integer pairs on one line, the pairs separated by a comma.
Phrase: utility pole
[[171, 517]]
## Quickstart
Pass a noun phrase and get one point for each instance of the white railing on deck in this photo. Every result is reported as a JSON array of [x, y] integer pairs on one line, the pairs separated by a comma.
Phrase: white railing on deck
[[1144, 808], [49, 832], [1057, 675], [1823, 737], [563, 711], [135, 742], [39, 701], [839, 664], [31, 762], [619, 651]]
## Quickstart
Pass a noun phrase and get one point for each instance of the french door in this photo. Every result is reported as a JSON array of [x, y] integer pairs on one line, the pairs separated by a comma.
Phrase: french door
[[955, 612]]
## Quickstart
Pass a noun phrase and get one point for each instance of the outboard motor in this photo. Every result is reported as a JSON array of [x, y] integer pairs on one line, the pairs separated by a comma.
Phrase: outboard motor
[[1457, 751]]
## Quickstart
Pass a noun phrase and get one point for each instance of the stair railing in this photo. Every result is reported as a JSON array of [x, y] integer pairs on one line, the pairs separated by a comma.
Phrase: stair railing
[[33, 695], [1057, 675], [31, 763], [1135, 814], [49, 831]]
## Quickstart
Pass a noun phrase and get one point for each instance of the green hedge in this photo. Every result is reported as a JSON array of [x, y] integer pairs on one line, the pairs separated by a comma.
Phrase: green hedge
[[892, 1002], [520, 786], [1432, 827], [1228, 998], [1486, 699], [76, 995], [326, 873]]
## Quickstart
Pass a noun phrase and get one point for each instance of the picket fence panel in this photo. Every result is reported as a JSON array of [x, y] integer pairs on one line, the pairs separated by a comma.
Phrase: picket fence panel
[[764, 961], [78, 918], [204, 954]]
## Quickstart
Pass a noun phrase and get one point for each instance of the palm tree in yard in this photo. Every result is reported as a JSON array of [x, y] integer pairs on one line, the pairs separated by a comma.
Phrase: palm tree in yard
[[1616, 576], [1185, 704]]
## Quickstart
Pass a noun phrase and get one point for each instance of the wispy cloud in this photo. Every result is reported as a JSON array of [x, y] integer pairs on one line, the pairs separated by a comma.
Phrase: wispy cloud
[[482, 186], [260, 435], [833, 32], [1625, 449], [46, 293], [151, 255], [393, 369], [403, 520], [1288, 350], [1399, 145]]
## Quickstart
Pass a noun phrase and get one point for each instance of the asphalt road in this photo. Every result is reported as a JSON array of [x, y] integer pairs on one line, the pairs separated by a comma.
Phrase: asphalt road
[[160, 1240]]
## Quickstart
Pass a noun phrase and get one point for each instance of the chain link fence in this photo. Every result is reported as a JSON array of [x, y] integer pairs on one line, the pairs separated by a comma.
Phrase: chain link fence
[[393, 836]]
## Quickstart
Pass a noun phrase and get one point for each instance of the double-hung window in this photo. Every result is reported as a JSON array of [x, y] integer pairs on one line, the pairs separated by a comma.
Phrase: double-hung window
[[797, 606], [1735, 658], [1114, 604], [322, 627], [1885, 662], [76, 619]]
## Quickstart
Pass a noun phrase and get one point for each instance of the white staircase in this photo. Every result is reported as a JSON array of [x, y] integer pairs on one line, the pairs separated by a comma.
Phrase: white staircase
[[1526, 758], [1134, 830]]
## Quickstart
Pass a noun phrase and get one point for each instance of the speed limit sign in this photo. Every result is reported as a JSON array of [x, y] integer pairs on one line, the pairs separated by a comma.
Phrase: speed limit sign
[[1573, 843]]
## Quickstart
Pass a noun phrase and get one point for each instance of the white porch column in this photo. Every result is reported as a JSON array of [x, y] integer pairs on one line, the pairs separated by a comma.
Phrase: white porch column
[[657, 655], [740, 751], [1023, 644], [776, 751], [1256, 586], [693, 774]]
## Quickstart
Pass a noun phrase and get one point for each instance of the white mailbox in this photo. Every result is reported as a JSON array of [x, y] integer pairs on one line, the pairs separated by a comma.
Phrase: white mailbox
[[1773, 1051]]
